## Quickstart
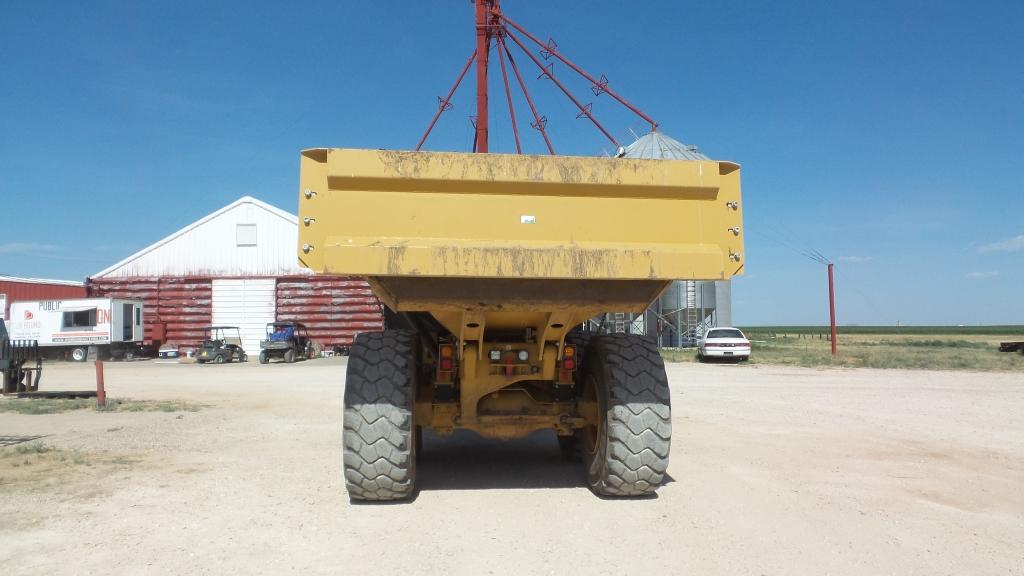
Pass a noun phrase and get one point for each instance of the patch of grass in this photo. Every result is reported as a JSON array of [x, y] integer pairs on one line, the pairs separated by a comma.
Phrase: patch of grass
[[35, 466], [679, 354], [128, 405], [34, 406], [45, 405], [1005, 330], [32, 448]]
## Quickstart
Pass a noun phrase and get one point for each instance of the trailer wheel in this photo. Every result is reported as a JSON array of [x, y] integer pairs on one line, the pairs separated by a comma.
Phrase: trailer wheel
[[79, 353], [626, 453], [379, 434], [289, 355]]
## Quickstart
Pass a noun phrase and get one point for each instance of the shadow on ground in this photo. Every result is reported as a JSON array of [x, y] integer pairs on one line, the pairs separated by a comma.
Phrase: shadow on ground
[[13, 440], [467, 461]]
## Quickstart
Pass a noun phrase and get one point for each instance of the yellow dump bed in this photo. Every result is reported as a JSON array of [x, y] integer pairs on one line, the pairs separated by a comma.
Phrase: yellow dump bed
[[381, 213]]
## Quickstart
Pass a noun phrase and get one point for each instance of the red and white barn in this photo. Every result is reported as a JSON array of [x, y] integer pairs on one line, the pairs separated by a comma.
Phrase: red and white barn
[[15, 289], [237, 267]]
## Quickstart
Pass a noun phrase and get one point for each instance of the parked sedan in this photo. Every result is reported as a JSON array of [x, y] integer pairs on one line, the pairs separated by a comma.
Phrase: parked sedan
[[724, 343]]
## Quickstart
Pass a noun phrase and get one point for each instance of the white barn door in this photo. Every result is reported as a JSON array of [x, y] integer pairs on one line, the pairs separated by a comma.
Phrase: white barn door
[[249, 303]]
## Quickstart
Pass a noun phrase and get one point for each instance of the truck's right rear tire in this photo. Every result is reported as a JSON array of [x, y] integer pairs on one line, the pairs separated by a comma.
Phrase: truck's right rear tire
[[379, 433], [79, 353], [626, 453]]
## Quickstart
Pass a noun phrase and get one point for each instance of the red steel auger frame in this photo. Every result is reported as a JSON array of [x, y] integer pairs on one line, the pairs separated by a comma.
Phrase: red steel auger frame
[[493, 25]]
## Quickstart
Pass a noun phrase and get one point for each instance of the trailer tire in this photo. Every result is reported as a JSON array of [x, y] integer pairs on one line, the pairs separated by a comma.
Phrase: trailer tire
[[379, 434], [79, 353], [627, 452]]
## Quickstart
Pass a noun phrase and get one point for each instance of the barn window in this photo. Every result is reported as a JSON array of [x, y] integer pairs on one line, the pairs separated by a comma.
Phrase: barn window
[[80, 318], [245, 235]]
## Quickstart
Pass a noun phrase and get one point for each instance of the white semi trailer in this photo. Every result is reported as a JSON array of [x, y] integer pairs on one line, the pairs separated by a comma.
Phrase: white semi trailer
[[80, 328]]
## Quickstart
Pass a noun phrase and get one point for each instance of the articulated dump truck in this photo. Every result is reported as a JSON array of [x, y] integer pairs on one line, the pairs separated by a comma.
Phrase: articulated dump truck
[[488, 266]]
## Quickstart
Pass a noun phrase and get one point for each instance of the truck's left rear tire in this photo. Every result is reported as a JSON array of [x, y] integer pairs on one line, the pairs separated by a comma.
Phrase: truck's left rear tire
[[626, 453], [379, 433]]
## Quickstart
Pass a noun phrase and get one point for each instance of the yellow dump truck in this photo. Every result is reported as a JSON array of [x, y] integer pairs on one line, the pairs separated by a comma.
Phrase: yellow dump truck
[[488, 265]]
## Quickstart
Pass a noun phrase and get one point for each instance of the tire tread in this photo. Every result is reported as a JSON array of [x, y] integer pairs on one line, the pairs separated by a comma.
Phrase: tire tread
[[378, 432]]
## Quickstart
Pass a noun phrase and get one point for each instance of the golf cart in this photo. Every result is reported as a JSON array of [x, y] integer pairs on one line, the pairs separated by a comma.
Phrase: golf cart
[[223, 345], [287, 341]]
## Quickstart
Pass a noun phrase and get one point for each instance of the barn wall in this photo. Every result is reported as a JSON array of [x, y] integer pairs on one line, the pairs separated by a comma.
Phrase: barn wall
[[176, 309], [333, 308]]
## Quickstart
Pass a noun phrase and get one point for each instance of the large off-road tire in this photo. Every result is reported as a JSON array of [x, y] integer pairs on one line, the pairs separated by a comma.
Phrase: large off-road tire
[[264, 357], [289, 356], [626, 453], [379, 433]]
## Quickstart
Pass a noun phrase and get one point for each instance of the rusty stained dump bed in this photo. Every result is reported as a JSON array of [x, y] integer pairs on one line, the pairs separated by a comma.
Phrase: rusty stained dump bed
[[436, 231]]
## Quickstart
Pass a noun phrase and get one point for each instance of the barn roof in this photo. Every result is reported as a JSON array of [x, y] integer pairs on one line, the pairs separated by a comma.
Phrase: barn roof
[[214, 246], [21, 280]]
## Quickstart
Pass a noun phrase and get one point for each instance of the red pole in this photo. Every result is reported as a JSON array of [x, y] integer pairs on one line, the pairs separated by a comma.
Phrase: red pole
[[483, 44], [599, 86], [584, 110], [832, 305], [508, 96], [538, 121], [446, 103], [101, 393]]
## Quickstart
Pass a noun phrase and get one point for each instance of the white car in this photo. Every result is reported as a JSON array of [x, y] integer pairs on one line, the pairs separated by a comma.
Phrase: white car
[[724, 343]]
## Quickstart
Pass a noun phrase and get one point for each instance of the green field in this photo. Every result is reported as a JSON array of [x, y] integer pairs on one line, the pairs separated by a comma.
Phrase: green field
[[907, 347], [1007, 330]]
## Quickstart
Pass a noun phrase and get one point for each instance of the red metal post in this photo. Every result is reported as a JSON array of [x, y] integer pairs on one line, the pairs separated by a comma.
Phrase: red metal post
[[601, 86], [832, 306], [508, 96], [538, 121], [101, 392], [445, 104], [584, 110], [483, 45]]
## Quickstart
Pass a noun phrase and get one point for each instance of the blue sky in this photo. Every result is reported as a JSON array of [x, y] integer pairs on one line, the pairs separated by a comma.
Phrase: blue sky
[[885, 134]]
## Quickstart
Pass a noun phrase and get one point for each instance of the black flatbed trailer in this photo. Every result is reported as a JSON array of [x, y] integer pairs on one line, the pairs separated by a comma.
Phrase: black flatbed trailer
[[1011, 347]]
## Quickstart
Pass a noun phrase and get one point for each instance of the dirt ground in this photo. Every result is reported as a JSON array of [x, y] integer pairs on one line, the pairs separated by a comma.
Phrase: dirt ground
[[774, 470]]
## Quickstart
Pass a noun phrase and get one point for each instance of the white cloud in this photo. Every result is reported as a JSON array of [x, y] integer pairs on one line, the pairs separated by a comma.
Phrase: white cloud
[[26, 248], [1015, 244], [980, 275], [856, 259]]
